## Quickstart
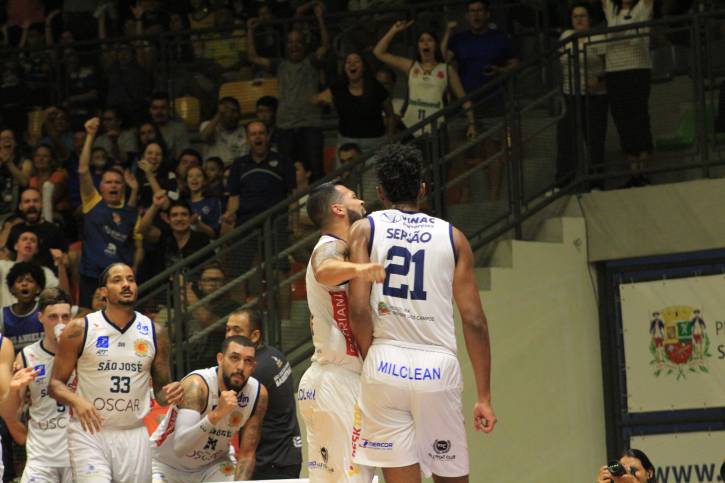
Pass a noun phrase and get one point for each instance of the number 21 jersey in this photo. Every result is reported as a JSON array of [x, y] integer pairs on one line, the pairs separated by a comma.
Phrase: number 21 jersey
[[114, 369], [414, 303]]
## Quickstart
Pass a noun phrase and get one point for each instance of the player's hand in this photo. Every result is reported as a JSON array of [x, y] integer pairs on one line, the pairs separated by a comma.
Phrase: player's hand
[[227, 402], [91, 420], [174, 392], [91, 126], [22, 378], [484, 418], [370, 272]]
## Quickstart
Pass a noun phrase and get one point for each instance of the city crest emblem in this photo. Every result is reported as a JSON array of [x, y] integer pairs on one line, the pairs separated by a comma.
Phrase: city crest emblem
[[383, 309], [679, 343], [227, 469], [141, 347]]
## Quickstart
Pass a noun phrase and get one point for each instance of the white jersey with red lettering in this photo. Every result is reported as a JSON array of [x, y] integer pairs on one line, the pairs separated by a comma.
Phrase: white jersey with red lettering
[[216, 448], [47, 426], [114, 369], [414, 303], [331, 333]]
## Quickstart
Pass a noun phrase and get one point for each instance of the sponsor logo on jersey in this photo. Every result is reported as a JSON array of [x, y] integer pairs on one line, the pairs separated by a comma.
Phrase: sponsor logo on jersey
[[391, 217], [142, 328], [39, 370], [305, 394], [341, 314], [236, 418], [410, 373], [356, 428], [441, 448], [381, 445], [383, 309], [227, 469], [102, 342], [141, 347], [314, 465]]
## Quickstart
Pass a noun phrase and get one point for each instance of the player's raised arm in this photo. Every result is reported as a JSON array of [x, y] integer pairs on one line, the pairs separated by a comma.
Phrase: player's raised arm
[[166, 391], [475, 331], [249, 438], [361, 321], [12, 407], [70, 345]]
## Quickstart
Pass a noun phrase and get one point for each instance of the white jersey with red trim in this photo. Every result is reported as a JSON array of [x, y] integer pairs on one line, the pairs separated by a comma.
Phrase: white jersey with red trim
[[114, 369], [330, 324], [47, 437], [415, 302], [217, 446]]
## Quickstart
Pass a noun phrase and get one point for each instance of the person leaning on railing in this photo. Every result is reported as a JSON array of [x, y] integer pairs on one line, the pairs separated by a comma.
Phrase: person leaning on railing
[[586, 107], [628, 81]]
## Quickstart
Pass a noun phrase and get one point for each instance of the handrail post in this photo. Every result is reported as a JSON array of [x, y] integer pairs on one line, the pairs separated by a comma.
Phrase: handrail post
[[176, 325], [271, 294], [578, 92], [513, 152], [700, 36], [437, 192]]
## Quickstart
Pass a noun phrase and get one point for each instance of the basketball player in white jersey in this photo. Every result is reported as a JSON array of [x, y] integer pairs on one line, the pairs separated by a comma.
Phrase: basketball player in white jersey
[[193, 442], [411, 381], [329, 389], [45, 436], [7, 353], [116, 354]]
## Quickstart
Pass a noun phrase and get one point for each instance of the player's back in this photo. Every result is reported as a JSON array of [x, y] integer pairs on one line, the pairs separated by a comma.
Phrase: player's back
[[114, 369], [331, 333], [414, 304]]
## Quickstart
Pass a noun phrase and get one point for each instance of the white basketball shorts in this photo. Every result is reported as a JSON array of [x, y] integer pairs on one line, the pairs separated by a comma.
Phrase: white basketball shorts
[[327, 397], [220, 471], [118, 455], [411, 409], [37, 472]]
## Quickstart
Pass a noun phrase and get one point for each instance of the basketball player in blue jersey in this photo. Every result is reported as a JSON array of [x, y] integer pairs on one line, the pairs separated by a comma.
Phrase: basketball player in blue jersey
[[193, 442], [45, 436], [116, 353], [411, 382]]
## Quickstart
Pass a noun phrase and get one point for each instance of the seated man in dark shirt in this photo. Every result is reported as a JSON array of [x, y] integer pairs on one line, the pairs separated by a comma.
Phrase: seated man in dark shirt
[[279, 453], [176, 240]]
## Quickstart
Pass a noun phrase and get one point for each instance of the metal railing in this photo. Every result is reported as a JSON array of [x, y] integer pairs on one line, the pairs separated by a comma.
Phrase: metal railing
[[518, 118]]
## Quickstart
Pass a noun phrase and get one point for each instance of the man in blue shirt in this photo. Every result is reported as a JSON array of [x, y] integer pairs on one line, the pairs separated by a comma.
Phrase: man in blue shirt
[[483, 53]]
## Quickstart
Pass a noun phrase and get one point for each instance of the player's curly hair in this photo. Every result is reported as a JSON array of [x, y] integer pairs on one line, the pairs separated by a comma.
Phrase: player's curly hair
[[399, 171]]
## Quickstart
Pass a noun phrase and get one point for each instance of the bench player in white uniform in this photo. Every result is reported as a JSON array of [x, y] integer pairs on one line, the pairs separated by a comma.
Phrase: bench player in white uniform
[[116, 354], [7, 353], [192, 443], [44, 437], [329, 389], [411, 381]]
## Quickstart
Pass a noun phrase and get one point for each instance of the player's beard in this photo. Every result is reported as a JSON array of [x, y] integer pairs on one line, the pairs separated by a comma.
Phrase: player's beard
[[227, 378], [353, 215]]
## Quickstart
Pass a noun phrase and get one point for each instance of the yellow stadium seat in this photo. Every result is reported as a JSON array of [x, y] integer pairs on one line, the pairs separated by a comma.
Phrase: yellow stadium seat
[[247, 92], [188, 109], [36, 118]]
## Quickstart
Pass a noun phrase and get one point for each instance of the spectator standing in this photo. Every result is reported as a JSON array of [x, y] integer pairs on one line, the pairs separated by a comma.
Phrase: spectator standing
[[81, 88], [176, 240], [108, 224], [206, 210], [49, 235], [223, 135], [628, 81], [172, 130], [156, 175], [36, 64], [120, 144], [429, 78], [279, 454], [298, 121], [360, 101], [591, 99], [15, 171], [482, 54], [58, 133], [266, 110], [128, 83]]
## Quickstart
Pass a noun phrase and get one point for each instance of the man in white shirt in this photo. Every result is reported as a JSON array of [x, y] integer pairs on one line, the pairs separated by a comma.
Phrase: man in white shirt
[[223, 136]]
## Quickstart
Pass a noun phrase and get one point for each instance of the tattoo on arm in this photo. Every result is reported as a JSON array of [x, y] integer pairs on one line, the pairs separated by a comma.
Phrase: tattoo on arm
[[337, 250], [195, 394], [249, 439], [160, 369]]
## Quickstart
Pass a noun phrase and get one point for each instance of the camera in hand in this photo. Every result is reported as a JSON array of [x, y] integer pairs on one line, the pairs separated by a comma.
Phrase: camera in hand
[[616, 469]]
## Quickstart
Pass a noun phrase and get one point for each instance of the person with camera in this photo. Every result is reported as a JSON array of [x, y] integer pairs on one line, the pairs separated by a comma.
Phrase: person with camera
[[632, 467]]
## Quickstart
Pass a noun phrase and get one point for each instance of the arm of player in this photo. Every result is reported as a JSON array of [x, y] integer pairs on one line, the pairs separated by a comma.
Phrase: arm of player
[[66, 357], [192, 431], [361, 320], [7, 354], [249, 438], [331, 267], [475, 331], [12, 407], [165, 391]]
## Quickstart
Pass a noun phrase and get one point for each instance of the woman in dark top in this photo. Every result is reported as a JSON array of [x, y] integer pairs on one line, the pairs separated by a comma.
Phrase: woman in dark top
[[360, 101]]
